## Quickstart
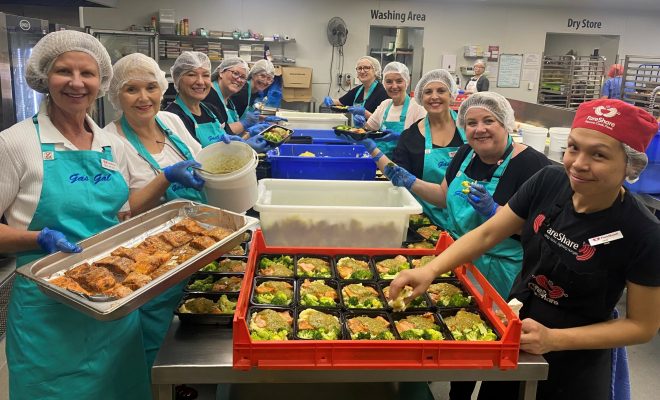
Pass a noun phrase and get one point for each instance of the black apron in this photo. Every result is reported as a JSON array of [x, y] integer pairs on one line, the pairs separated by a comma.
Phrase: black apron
[[566, 285]]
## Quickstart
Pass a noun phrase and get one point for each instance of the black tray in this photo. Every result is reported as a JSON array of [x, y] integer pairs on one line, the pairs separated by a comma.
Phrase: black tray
[[359, 136], [330, 311], [206, 319], [330, 282], [339, 109], [284, 140], [216, 277]]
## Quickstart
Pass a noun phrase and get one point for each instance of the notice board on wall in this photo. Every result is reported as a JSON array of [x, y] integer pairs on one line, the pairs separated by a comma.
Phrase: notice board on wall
[[510, 67]]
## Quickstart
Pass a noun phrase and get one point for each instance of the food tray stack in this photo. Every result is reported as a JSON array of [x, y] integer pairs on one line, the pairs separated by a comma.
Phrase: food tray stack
[[379, 354]]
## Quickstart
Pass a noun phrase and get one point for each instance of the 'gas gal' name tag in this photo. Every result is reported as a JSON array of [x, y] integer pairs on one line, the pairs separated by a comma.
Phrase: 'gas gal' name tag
[[109, 165]]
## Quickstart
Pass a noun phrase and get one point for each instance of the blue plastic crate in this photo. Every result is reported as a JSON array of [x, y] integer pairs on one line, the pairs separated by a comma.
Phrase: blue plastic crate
[[649, 180], [320, 136], [653, 151], [333, 162]]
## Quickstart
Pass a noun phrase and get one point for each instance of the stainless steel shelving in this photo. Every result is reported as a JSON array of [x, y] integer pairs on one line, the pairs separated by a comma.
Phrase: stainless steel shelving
[[641, 75], [568, 81]]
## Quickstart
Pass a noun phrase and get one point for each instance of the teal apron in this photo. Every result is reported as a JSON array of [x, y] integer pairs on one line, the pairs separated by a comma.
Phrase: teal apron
[[156, 315], [174, 191], [397, 126], [436, 161], [54, 351], [502, 263], [364, 99], [232, 115], [250, 106], [207, 133]]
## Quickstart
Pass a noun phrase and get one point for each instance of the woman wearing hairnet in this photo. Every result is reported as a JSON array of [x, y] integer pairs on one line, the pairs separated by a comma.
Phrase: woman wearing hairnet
[[478, 82], [612, 87], [362, 99], [397, 113], [585, 239], [191, 74], [160, 139], [228, 80], [257, 88], [65, 179]]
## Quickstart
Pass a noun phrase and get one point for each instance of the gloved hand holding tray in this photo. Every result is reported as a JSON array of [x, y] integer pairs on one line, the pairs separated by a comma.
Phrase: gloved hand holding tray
[[339, 109], [133, 262], [357, 133]]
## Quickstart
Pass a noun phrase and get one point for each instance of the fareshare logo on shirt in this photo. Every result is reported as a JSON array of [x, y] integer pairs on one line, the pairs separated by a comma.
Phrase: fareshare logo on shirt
[[603, 113], [582, 252]]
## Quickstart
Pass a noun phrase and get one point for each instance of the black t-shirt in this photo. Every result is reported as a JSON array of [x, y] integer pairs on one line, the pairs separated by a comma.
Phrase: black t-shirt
[[520, 169], [214, 99], [240, 100], [576, 283], [409, 151], [200, 119], [373, 101]]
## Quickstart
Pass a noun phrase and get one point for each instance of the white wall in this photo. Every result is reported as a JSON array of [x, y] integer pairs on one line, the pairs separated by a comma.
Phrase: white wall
[[448, 27]]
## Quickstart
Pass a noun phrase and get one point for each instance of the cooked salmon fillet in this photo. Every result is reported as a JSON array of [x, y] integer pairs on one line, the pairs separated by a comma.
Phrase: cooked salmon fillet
[[119, 266], [219, 233], [135, 280], [176, 238], [68, 283], [189, 226], [202, 242]]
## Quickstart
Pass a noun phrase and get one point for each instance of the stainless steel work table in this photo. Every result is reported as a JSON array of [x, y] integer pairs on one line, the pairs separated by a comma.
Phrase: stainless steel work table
[[200, 354]]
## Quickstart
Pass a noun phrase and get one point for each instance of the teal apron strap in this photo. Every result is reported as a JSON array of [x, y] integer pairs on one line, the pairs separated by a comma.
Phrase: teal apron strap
[[186, 110], [364, 99], [231, 114]]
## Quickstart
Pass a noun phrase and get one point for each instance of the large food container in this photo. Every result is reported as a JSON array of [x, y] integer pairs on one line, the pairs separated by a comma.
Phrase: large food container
[[312, 120], [331, 162], [128, 234], [334, 213], [380, 354]]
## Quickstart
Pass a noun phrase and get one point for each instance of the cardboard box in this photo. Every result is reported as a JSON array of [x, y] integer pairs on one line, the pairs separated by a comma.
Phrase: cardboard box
[[297, 77], [297, 94]]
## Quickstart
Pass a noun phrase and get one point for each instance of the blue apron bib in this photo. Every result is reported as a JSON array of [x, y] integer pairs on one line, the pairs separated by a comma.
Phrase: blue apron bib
[[436, 161], [502, 263], [207, 133], [366, 96], [232, 115], [54, 351], [397, 126], [174, 191]]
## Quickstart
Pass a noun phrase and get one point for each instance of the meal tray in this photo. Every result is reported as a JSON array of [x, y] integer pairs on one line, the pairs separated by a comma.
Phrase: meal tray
[[379, 354], [128, 234]]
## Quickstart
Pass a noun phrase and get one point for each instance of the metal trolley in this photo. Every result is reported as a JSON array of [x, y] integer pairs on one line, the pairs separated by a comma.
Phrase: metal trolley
[[640, 82], [568, 81]]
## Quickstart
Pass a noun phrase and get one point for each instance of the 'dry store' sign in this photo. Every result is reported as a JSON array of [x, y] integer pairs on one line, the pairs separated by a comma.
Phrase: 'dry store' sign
[[400, 16]]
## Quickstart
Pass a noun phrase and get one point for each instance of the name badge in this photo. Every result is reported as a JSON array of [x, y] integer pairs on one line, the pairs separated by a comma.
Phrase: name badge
[[427, 151], [606, 238], [452, 154], [109, 165], [48, 155]]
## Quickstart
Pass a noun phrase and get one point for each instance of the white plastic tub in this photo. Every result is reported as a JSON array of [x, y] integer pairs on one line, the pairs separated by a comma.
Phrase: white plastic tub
[[316, 213], [235, 191], [534, 137], [312, 120], [558, 141]]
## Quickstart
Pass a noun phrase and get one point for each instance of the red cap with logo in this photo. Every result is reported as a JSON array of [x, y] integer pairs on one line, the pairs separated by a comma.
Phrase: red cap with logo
[[622, 121]]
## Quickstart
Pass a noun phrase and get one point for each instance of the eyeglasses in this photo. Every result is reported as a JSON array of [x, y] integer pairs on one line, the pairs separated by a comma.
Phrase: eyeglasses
[[237, 75], [360, 69], [264, 77]]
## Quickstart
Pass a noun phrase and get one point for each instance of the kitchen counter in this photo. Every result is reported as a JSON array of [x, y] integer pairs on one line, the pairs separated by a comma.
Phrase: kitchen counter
[[202, 354]]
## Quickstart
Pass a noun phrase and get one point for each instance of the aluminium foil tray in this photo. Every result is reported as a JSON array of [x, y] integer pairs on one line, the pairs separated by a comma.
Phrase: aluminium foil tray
[[129, 234]]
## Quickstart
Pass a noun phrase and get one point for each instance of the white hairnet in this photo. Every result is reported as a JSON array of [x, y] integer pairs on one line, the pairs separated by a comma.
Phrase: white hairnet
[[187, 61], [262, 66], [492, 102], [398, 68], [53, 45], [138, 67], [636, 161], [436, 75], [375, 64], [229, 63]]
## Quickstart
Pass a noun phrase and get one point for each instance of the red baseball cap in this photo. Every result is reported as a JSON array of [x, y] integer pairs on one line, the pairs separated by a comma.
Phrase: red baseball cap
[[622, 121]]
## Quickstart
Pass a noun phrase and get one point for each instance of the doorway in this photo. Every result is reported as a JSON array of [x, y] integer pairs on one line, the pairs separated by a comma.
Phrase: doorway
[[560, 44], [402, 44]]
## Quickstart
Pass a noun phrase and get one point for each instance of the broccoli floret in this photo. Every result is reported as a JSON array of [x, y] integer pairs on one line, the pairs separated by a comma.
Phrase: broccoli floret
[[385, 335], [265, 298], [202, 285], [353, 302], [361, 274], [211, 267], [265, 334], [327, 301], [362, 336], [412, 334], [309, 300], [432, 334], [281, 299]]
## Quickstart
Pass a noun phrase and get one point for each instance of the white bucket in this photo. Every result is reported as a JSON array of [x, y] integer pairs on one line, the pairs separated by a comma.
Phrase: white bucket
[[534, 137], [235, 191], [558, 140]]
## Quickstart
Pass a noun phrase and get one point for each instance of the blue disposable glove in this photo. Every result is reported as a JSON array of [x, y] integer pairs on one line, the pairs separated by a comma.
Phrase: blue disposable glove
[[481, 200], [259, 144], [231, 138], [399, 176], [327, 101], [357, 110], [51, 241], [257, 129], [181, 174], [359, 121], [273, 119], [390, 136], [274, 98], [249, 119], [369, 144]]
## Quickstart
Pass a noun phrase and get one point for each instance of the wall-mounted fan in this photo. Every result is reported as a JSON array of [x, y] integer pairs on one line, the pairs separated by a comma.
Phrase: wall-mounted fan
[[337, 32]]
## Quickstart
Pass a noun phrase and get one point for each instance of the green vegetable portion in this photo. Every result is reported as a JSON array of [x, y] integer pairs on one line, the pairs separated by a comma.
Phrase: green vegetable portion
[[419, 327], [277, 293], [358, 296], [469, 326], [276, 266], [270, 325], [317, 294], [314, 267], [447, 295], [317, 325]]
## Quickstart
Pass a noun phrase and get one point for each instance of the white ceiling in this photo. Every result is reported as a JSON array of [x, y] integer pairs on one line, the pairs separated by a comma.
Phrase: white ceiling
[[628, 5]]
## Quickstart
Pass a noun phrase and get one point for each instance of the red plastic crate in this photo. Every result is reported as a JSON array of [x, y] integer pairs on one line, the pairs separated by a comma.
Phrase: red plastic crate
[[378, 354]]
